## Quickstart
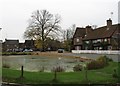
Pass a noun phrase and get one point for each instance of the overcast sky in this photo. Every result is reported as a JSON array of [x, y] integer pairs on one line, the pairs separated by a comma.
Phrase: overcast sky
[[14, 14]]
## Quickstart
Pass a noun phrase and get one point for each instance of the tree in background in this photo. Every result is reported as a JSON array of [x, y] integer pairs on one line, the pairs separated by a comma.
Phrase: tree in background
[[53, 44], [68, 38], [38, 44], [41, 26]]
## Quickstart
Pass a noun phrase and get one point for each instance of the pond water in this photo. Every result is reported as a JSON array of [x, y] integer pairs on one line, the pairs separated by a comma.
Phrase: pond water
[[36, 63]]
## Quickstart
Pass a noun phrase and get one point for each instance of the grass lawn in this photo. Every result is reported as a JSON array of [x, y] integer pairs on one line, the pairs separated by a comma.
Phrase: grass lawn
[[98, 76]]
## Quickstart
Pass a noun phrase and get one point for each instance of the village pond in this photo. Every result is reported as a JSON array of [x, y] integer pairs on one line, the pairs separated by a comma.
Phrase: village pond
[[39, 63]]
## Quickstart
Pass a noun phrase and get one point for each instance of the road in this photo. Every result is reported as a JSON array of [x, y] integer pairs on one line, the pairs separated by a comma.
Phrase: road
[[115, 57]]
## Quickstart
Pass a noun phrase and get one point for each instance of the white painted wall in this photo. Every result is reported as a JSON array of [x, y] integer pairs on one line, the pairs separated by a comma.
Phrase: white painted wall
[[97, 51]]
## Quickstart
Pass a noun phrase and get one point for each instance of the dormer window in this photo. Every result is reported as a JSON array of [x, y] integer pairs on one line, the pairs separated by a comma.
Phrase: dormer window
[[78, 40]]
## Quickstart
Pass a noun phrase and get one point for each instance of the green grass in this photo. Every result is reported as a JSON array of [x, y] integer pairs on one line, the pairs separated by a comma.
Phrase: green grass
[[94, 76]]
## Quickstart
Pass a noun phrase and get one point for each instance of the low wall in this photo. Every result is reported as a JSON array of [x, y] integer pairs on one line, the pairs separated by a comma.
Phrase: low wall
[[97, 51]]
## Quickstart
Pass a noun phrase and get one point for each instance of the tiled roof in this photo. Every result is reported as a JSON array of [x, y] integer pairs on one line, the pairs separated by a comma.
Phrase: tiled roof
[[80, 32], [11, 41], [116, 34], [29, 41], [102, 32]]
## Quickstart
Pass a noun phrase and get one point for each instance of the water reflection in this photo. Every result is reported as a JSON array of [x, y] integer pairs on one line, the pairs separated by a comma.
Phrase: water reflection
[[36, 63]]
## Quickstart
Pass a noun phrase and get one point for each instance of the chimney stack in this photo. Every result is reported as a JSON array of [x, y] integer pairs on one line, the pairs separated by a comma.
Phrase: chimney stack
[[109, 23], [88, 29]]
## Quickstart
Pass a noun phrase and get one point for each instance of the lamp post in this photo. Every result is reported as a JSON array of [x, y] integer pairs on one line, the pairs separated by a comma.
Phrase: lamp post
[[22, 68]]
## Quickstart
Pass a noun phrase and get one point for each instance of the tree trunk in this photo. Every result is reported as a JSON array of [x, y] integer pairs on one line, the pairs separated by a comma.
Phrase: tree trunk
[[43, 46], [43, 40]]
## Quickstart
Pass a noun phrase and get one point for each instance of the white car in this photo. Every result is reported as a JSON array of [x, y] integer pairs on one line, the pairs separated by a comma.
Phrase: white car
[[28, 50]]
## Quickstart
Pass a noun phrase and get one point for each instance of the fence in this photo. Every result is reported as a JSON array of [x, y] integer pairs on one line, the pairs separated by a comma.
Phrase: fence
[[97, 51]]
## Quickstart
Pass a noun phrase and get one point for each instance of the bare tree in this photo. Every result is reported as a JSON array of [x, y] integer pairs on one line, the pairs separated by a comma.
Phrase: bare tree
[[67, 36], [42, 25], [68, 33], [72, 30]]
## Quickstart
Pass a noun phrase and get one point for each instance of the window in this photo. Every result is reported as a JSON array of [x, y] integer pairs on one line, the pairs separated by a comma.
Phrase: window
[[77, 40], [99, 40], [87, 42], [105, 40], [100, 48], [94, 41]]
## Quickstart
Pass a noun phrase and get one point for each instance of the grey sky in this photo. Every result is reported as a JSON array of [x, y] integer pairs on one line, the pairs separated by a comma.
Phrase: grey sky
[[16, 13]]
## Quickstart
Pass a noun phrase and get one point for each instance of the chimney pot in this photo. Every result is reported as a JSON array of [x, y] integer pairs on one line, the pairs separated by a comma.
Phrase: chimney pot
[[109, 23]]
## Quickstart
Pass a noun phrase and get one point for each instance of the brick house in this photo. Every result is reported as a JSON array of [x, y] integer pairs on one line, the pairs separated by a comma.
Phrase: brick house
[[77, 38], [79, 35], [10, 45], [102, 38], [14, 45], [21, 46], [29, 44]]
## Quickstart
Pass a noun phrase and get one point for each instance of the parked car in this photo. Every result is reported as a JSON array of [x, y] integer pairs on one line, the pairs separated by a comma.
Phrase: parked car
[[28, 50], [60, 50]]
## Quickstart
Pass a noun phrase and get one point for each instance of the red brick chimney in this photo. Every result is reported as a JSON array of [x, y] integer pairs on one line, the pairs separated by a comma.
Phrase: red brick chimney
[[88, 29], [109, 23]]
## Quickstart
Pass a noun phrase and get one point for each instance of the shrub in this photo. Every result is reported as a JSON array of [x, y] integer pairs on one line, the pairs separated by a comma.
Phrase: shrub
[[104, 59], [93, 65], [115, 74], [58, 69], [101, 62], [13, 53], [77, 67], [96, 64]]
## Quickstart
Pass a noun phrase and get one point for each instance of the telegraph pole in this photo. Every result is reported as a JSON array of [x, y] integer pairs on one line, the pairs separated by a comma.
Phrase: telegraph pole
[[111, 15]]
